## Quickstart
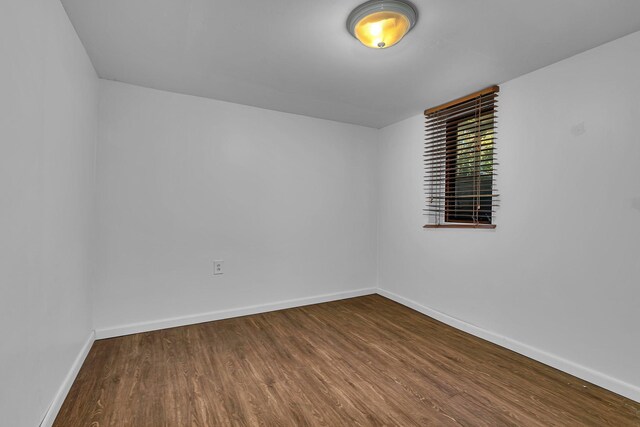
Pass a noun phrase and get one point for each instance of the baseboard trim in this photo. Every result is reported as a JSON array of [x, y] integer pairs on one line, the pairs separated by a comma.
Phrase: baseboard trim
[[61, 394], [192, 319], [595, 377]]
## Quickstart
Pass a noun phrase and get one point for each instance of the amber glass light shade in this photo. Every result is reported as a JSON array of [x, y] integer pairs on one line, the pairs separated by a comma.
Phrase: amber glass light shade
[[380, 24], [382, 29]]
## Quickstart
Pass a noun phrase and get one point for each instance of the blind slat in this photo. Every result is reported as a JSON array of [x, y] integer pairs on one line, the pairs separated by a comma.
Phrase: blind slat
[[484, 92], [440, 157], [465, 169], [488, 113], [442, 136]]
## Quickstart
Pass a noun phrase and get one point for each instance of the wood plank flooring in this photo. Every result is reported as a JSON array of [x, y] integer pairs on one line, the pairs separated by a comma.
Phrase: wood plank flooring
[[360, 362]]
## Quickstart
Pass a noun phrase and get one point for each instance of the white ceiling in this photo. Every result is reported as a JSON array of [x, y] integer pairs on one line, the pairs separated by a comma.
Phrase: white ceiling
[[297, 56]]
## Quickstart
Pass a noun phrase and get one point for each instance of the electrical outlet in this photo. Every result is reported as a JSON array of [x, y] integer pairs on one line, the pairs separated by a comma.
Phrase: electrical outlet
[[218, 267]]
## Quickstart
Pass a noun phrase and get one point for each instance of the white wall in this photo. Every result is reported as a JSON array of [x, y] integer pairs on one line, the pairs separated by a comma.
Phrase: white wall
[[288, 202], [48, 127], [561, 272]]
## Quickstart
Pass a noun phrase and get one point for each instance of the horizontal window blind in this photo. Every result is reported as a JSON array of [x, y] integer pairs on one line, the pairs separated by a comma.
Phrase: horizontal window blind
[[459, 158]]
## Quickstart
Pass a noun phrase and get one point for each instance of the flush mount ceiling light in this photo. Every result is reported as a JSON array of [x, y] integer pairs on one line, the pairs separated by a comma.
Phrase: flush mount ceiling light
[[381, 23]]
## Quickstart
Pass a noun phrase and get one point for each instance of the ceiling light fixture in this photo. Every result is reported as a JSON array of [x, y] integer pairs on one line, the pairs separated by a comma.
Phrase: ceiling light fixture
[[380, 24]]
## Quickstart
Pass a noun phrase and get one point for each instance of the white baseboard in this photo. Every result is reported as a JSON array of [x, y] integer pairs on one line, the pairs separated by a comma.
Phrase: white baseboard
[[62, 392], [598, 378], [191, 319]]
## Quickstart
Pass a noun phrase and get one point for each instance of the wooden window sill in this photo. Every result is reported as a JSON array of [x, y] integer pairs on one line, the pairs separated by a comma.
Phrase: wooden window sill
[[481, 226]]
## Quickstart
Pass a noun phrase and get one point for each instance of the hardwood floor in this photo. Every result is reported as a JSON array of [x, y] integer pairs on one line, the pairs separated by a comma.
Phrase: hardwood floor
[[360, 362]]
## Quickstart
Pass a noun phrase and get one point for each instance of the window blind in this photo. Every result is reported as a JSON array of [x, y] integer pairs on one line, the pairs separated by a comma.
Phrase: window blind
[[459, 158]]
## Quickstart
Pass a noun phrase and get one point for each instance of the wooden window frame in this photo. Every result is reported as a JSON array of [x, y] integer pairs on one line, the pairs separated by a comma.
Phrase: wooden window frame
[[451, 142]]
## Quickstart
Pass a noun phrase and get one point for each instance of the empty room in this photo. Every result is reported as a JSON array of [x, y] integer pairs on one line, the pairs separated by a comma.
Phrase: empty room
[[319, 213]]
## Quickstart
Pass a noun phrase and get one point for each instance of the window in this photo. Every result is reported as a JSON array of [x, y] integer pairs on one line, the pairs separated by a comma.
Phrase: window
[[460, 148]]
